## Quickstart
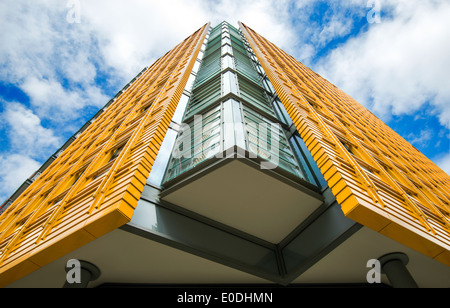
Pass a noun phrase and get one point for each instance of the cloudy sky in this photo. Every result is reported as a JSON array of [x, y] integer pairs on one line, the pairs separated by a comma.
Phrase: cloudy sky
[[61, 60]]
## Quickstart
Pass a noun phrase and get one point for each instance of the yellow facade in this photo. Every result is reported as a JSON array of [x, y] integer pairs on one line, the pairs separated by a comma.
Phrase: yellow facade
[[93, 187], [378, 178]]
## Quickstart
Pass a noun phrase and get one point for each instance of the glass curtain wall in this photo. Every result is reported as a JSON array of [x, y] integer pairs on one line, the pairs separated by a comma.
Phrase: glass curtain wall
[[231, 106]]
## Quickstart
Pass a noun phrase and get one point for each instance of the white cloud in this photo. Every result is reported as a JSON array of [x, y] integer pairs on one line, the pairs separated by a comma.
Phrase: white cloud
[[422, 139], [48, 57], [26, 133], [51, 100], [268, 17], [14, 170], [64, 67], [135, 33], [443, 161], [399, 65], [336, 27], [47, 94], [29, 145], [44, 55], [313, 24]]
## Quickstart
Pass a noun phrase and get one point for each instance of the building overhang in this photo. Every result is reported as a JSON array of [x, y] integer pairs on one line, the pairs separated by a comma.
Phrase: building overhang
[[138, 256], [240, 193]]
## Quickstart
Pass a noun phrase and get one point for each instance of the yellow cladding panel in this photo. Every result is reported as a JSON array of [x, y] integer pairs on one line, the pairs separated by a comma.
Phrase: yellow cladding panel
[[94, 185], [378, 178]]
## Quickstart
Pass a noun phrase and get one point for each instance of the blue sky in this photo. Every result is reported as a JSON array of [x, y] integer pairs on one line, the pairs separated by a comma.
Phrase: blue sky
[[61, 60]]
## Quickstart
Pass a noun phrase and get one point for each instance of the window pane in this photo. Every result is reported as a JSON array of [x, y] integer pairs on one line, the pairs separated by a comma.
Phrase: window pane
[[181, 108]]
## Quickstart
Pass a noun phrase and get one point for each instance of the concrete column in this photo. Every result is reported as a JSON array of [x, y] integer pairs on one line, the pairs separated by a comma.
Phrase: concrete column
[[394, 266]]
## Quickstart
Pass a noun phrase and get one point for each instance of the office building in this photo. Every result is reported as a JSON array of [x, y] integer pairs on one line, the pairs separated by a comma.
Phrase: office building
[[225, 162]]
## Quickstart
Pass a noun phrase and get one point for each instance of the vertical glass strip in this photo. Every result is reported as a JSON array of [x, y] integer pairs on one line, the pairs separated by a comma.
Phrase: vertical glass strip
[[226, 40], [162, 160], [227, 62], [181, 108], [238, 125], [248, 119], [228, 125], [227, 49], [229, 83]]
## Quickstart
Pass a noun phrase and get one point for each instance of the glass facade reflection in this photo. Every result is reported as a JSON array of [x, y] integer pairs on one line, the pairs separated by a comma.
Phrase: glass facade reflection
[[231, 105]]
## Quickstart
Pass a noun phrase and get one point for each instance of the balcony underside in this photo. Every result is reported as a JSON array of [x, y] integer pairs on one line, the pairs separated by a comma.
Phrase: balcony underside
[[236, 192]]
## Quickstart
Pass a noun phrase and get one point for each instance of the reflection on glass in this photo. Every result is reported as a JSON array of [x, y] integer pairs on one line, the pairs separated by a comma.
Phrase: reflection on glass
[[179, 112], [161, 161], [248, 120], [229, 83], [227, 62], [190, 82]]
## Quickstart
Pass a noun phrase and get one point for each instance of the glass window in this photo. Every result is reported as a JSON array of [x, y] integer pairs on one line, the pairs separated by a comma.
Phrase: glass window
[[196, 67], [238, 125], [347, 147], [308, 164], [281, 112], [260, 69], [160, 164], [227, 49], [190, 82], [268, 86], [226, 40], [77, 176], [200, 54], [229, 83], [227, 62], [181, 108], [116, 153], [228, 125]]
